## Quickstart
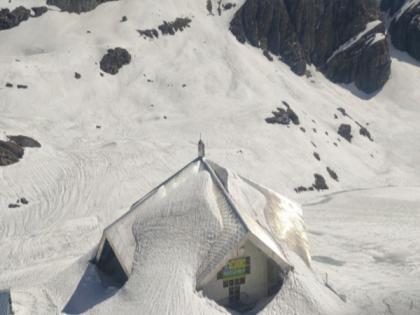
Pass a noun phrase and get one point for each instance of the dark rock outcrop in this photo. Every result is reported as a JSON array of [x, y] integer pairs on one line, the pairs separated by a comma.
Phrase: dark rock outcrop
[[365, 133], [38, 11], [405, 31], [332, 174], [11, 151], [10, 19], [150, 33], [320, 183], [24, 141], [76, 6], [7, 157], [283, 116], [12, 147], [391, 6], [114, 59], [170, 28], [345, 131], [326, 33]]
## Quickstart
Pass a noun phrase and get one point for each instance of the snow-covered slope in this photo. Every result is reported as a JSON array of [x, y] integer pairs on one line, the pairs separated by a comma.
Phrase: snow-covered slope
[[151, 113]]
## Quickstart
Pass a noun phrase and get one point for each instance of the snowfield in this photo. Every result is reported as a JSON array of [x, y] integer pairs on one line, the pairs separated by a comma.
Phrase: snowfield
[[107, 140]]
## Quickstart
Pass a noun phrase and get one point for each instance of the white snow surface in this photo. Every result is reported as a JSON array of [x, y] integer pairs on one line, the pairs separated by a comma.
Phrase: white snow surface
[[84, 178]]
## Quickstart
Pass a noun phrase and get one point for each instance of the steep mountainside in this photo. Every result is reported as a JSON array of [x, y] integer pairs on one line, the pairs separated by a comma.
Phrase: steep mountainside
[[405, 25], [345, 38]]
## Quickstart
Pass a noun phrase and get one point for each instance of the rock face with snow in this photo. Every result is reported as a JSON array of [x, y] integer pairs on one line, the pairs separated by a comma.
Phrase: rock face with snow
[[405, 29], [76, 6], [391, 6], [345, 39]]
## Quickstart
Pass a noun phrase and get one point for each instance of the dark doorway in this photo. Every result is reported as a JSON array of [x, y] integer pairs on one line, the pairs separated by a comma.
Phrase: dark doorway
[[109, 265]]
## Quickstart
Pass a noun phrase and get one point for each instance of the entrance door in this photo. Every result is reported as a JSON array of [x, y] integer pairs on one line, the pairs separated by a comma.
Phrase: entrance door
[[234, 294]]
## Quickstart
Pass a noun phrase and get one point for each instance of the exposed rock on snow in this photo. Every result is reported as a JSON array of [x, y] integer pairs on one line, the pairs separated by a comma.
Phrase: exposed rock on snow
[[12, 147], [38, 11], [166, 28], [363, 59], [365, 133], [150, 33], [10, 19], [320, 183], [76, 6], [24, 141], [405, 29], [345, 131], [11, 151], [302, 32], [170, 28], [283, 116], [114, 59], [332, 173]]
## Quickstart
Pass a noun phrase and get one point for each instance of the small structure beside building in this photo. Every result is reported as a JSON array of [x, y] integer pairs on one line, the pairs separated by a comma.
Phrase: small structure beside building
[[246, 261], [5, 303]]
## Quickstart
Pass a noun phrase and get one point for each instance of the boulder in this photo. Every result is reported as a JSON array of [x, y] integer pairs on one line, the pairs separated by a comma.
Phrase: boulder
[[114, 59]]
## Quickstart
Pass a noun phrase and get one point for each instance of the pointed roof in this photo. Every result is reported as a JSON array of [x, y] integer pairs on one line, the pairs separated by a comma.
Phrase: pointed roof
[[242, 220]]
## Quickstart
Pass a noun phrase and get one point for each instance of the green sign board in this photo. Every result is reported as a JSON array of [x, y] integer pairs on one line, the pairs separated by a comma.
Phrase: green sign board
[[235, 269]]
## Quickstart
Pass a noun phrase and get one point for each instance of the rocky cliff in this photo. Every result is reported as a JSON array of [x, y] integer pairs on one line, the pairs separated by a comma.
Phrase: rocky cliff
[[76, 6], [343, 38], [405, 26]]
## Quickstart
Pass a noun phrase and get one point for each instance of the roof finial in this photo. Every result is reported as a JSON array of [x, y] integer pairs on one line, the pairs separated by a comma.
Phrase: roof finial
[[201, 148]]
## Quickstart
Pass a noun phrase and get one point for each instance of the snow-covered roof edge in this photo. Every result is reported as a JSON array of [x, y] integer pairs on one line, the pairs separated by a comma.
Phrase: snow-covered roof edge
[[256, 235]]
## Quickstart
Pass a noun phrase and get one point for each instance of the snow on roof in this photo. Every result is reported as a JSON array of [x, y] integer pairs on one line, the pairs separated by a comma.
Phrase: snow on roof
[[245, 211]]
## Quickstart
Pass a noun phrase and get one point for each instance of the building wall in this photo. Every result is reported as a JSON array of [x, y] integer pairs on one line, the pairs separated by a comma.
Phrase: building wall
[[256, 285]]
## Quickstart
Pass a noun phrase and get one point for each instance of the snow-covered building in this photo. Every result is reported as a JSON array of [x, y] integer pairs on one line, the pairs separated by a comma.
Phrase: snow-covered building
[[246, 257]]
